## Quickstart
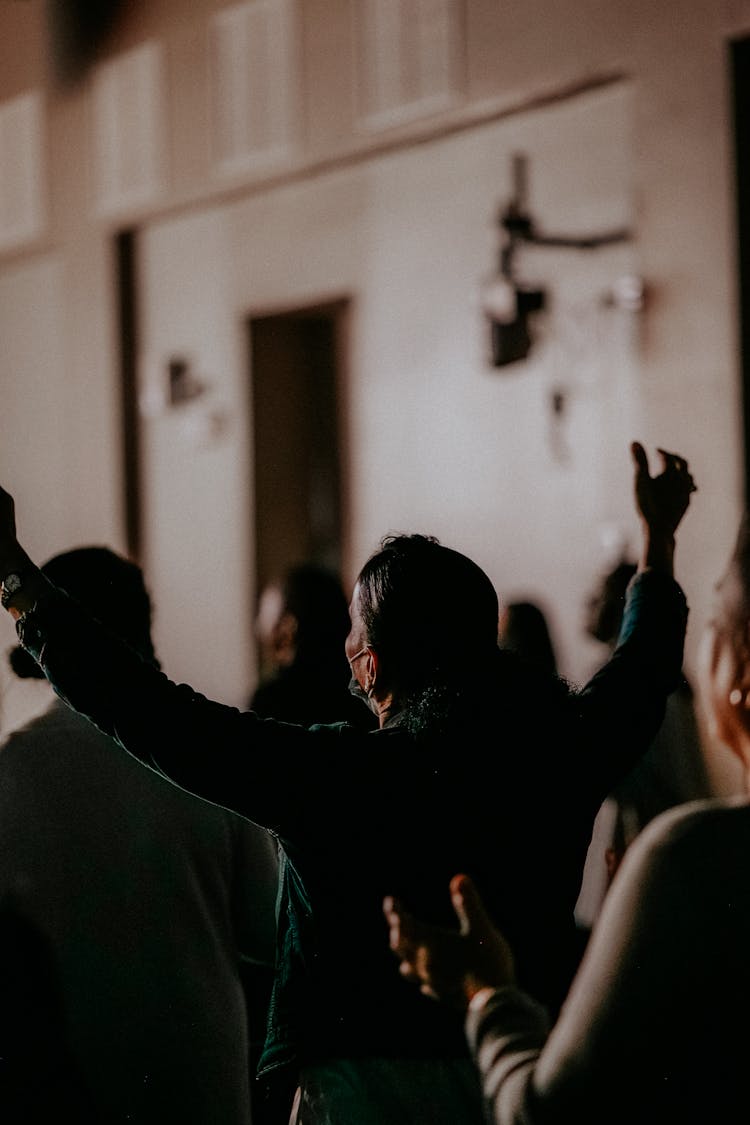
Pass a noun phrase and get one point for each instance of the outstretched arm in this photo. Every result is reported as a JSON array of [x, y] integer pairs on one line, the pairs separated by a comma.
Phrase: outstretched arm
[[622, 707]]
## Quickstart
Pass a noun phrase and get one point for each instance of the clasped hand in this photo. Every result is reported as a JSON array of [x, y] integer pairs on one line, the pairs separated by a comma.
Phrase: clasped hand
[[446, 964]]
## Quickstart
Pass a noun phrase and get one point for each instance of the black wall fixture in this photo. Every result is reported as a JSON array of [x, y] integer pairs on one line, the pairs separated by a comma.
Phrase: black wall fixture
[[509, 305]]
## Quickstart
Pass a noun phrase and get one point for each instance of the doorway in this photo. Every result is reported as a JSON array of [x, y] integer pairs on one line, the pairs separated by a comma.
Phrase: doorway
[[297, 386]]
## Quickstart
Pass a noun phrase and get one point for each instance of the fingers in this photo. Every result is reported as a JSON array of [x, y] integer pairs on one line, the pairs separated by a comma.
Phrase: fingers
[[468, 905], [409, 971], [392, 911], [404, 939], [678, 465], [391, 907], [671, 462], [402, 928], [639, 456]]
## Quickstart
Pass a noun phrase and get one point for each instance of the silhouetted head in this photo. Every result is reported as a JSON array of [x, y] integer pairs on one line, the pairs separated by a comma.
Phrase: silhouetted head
[[303, 615], [606, 605], [524, 630], [427, 616], [110, 588]]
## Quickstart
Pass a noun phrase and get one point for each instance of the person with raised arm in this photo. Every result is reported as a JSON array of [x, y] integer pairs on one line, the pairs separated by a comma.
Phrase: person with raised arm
[[479, 764]]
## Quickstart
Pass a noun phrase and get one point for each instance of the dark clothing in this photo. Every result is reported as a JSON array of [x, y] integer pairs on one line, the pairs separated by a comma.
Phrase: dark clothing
[[148, 902], [508, 798], [311, 691], [40, 1081]]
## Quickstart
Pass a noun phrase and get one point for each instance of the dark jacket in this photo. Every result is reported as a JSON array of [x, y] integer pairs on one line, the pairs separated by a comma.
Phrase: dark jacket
[[508, 796]]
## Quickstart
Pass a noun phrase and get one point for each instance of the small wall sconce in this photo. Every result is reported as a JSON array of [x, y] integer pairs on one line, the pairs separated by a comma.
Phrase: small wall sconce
[[183, 385], [509, 306]]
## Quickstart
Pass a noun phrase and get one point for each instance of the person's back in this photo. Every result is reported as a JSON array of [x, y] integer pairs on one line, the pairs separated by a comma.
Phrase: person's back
[[147, 898], [501, 770], [512, 805]]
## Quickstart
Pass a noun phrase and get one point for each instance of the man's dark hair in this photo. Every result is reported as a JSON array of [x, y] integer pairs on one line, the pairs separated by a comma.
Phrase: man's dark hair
[[110, 588], [432, 612]]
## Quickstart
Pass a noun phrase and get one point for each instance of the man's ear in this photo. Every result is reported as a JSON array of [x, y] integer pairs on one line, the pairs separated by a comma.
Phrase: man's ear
[[373, 670]]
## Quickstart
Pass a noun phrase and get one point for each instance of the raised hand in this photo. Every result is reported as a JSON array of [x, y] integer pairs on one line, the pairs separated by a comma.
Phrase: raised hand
[[662, 500], [446, 964]]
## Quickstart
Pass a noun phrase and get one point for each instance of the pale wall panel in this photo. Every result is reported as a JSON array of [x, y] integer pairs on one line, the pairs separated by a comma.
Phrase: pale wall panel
[[195, 472], [34, 453]]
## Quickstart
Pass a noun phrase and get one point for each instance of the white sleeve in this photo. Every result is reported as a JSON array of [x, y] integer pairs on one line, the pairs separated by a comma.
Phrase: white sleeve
[[606, 1047]]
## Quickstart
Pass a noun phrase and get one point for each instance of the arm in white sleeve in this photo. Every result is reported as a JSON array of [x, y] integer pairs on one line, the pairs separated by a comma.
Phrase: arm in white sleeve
[[613, 1049]]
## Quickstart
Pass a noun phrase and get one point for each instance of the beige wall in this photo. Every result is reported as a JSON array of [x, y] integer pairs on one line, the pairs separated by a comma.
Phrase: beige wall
[[401, 219]]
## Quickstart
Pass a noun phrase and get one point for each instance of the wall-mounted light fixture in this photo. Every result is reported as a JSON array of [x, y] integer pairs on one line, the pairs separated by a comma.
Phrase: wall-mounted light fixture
[[183, 385], [510, 306]]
